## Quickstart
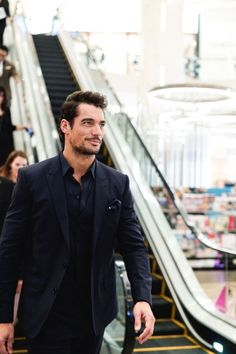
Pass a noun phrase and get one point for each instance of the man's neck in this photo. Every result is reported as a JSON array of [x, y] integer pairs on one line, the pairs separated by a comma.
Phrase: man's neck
[[79, 163]]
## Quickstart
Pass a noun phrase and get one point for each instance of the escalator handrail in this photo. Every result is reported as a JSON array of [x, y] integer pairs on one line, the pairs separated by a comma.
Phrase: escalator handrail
[[176, 201], [46, 124], [129, 336], [146, 208], [18, 107]]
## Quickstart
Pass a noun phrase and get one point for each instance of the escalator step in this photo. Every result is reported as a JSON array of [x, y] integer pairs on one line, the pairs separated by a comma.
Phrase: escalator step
[[57, 95], [60, 80], [48, 65], [167, 327], [19, 343], [167, 350], [161, 307], [57, 102], [55, 69], [167, 341], [156, 285]]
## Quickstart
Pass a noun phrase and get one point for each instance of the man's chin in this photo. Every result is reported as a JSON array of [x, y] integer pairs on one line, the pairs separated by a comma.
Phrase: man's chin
[[87, 152]]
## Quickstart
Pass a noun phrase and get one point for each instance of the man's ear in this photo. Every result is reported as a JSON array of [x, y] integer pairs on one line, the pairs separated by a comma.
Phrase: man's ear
[[65, 126]]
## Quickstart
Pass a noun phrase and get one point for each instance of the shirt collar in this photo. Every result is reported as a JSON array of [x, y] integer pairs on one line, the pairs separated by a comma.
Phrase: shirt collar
[[66, 168]]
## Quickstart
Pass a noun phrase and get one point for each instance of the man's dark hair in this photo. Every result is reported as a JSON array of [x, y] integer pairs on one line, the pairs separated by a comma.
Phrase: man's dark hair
[[70, 108], [4, 47]]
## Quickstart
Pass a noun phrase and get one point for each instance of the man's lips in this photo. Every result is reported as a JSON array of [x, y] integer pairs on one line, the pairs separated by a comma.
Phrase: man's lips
[[94, 141]]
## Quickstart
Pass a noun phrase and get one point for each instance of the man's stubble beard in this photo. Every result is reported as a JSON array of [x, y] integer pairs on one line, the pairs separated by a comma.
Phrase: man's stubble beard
[[81, 150]]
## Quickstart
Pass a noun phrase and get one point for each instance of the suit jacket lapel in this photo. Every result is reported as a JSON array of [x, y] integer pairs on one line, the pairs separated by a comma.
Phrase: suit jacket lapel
[[57, 190], [100, 200]]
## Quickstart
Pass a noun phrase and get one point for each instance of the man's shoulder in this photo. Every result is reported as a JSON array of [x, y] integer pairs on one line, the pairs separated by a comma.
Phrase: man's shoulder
[[111, 170]]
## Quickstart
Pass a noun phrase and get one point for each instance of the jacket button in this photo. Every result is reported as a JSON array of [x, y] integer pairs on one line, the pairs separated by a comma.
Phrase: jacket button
[[55, 290]]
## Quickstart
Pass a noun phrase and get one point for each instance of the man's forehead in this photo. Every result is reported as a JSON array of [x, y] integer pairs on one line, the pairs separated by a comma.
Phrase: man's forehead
[[90, 111]]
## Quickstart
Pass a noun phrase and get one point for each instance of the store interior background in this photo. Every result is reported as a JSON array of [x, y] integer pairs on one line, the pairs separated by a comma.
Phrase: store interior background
[[143, 44], [173, 61]]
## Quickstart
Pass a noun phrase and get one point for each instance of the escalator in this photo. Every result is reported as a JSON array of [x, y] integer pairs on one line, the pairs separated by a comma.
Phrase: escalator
[[171, 332], [57, 76]]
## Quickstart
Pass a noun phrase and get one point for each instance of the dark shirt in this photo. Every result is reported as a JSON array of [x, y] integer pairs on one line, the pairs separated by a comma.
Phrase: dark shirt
[[71, 311]]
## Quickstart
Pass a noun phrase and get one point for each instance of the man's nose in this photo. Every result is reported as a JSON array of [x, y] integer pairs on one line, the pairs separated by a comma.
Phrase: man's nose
[[97, 130]]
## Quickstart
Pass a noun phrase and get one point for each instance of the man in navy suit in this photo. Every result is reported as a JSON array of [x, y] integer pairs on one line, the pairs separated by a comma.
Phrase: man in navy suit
[[67, 214]]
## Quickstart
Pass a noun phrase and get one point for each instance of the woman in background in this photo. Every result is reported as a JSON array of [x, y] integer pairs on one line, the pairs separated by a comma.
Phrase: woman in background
[[15, 160], [8, 176], [6, 128]]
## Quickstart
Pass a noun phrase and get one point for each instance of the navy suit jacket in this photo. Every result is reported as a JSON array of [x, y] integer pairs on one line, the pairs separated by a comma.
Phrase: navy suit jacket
[[6, 188], [36, 229]]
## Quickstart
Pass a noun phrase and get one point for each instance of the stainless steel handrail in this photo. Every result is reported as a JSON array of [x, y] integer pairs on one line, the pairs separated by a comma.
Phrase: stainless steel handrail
[[37, 101]]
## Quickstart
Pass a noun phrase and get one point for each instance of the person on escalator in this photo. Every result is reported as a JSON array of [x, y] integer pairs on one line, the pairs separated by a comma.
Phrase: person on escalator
[[4, 14], [7, 71], [6, 128], [66, 216], [8, 176]]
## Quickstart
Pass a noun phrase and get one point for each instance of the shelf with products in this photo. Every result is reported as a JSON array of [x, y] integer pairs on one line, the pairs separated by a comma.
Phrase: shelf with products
[[213, 214]]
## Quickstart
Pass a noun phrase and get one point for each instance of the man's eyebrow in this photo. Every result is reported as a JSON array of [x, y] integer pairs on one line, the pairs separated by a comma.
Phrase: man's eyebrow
[[87, 118], [92, 120]]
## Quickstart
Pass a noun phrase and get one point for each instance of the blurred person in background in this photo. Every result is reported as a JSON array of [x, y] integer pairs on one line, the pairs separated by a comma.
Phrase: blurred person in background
[[8, 177], [6, 128], [4, 14], [7, 70], [15, 160]]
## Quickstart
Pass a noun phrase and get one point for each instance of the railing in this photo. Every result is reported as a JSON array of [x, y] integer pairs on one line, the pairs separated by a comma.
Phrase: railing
[[119, 335], [20, 116], [36, 100], [155, 178]]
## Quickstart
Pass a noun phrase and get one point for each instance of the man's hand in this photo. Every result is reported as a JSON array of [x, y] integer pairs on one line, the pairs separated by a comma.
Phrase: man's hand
[[6, 338], [143, 313]]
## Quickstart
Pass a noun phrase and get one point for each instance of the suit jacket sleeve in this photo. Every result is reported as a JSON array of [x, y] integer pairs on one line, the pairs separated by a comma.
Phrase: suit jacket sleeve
[[133, 250], [14, 235]]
